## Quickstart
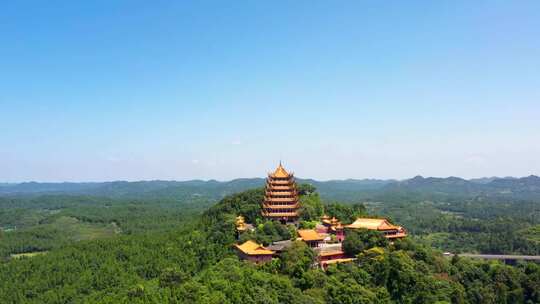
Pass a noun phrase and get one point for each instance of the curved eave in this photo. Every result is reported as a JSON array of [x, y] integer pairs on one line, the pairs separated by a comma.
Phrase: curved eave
[[295, 206], [280, 214]]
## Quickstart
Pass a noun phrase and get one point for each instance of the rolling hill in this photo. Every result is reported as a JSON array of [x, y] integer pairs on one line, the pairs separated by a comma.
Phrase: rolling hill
[[526, 188]]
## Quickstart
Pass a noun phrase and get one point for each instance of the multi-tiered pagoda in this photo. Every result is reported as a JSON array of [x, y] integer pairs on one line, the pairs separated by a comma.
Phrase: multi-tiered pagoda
[[281, 197]]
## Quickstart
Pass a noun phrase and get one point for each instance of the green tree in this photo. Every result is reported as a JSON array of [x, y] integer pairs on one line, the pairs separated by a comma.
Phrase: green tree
[[311, 207], [171, 277], [306, 189], [359, 239], [297, 259], [345, 213]]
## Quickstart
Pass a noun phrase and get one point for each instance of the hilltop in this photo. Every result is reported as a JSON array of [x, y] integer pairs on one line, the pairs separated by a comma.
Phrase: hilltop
[[193, 262]]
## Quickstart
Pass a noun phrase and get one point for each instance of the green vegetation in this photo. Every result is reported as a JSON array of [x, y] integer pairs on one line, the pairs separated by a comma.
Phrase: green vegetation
[[531, 234], [44, 223], [104, 250], [53, 234], [346, 213], [358, 241], [269, 232], [468, 225], [311, 205]]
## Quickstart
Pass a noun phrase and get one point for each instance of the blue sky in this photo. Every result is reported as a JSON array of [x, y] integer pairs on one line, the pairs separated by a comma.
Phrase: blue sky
[[131, 90]]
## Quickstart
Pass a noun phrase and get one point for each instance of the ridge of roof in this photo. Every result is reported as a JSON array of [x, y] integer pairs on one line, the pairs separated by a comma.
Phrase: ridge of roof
[[373, 224]]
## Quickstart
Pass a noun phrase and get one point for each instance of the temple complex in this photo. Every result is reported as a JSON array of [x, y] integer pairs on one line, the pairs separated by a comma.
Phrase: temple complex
[[281, 196], [281, 203], [390, 231]]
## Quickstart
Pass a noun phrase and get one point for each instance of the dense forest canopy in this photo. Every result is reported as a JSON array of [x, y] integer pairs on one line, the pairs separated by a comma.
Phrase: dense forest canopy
[[102, 249]]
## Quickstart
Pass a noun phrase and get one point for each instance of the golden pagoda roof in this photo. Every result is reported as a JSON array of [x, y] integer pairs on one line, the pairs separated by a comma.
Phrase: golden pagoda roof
[[280, 172], [281, 199], [372, 224], [280, 214], [310, 235], [252, 248], [278, 183], [267, 209], [280, 193], [280, 187]]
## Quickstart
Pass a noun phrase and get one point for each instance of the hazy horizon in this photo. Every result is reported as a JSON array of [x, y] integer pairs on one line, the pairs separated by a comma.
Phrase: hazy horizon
[[135, 90], [263, 177]]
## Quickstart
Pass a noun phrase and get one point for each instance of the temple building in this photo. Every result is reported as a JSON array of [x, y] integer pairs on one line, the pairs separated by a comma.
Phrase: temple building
[[311, 237], [331, 226], [254, 252], [390, 231], [281, 196]]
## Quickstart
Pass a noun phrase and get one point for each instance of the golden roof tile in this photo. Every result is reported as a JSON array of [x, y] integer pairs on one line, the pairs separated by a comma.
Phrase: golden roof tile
[[372, 224], [280, 172], [310, 235], [252, 248]]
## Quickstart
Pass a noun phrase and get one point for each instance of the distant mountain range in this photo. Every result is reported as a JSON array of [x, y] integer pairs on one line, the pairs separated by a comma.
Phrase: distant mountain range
[[527, 188]]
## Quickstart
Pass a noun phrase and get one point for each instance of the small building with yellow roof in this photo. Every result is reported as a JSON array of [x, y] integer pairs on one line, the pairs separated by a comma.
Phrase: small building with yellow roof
[[254, 252], [389, 230], [311, 237]]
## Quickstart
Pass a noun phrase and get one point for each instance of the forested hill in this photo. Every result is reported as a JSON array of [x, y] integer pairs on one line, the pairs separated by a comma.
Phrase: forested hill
[[212, 189], [141, 189], [170, 258], [525, 188]]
